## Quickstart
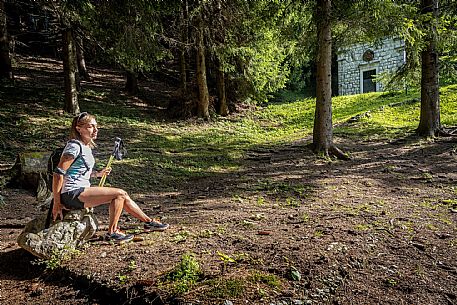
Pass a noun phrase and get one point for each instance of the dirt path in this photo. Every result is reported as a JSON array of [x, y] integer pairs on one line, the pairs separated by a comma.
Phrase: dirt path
[[379, 229]]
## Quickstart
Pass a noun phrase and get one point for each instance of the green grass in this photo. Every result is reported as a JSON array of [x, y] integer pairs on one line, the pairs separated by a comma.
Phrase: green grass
[[227, 288], [398, 115], [185, 274], [269, 279], [162, 154]]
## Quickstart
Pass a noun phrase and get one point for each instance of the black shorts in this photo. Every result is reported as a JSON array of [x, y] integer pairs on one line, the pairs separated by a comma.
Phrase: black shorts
[[70, 199]]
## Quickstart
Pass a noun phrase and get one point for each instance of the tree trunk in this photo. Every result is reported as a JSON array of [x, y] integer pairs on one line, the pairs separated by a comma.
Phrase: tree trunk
[[83, 73], [131, 86], [6, 71], [430, 124], [182, 70], [182, 50], [323, 132], [203, 100], [222, 108], [323, 129], [70, 68]]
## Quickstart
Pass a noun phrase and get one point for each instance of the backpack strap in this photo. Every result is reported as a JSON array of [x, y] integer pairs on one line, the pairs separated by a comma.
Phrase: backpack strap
[[80, 155]]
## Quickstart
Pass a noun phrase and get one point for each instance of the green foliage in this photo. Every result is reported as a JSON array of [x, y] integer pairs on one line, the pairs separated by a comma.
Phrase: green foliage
[[122, 278], [361, 227], [58, 257], [292, 202], [186, 273], [284, 188], [254, 51], [132, 265], [298, 32], [295, 275], [227, 288], [390, 282], [393, 81], [128, 31], [206, 233], [416, 27], [268, 70], [225, 257], [318, 234], [448, 69], [181, 236], [260, 200], [265, 278], [232, 259]]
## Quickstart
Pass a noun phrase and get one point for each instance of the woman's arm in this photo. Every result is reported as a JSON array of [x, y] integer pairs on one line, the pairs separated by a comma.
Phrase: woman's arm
[[57, 183], [98, 174]]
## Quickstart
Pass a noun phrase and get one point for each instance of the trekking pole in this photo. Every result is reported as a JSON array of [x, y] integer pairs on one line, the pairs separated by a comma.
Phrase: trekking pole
[[103, 179], [117, 154]]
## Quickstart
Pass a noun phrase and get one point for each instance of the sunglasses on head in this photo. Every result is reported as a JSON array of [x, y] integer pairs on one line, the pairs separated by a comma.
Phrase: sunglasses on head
[[81, 116]]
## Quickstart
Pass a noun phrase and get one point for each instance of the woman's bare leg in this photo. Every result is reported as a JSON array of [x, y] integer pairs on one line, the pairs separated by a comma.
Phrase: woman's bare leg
[[115, 210], [95, 196], [117, 198], [133, 209]]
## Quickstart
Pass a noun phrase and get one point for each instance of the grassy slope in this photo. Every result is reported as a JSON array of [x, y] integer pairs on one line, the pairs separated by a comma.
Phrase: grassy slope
[[179, 150]]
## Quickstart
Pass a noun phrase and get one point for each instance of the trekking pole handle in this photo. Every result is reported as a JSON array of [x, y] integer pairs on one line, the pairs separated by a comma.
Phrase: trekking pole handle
[[103, 179]]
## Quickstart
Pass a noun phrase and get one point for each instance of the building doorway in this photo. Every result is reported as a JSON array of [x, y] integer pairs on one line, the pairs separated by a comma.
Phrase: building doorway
[[368, 85]]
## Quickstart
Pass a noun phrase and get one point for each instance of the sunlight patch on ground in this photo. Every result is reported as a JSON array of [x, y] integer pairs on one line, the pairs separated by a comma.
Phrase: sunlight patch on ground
[[22, 77]]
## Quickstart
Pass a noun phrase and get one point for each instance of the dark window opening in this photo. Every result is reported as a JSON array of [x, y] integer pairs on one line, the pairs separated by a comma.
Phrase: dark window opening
[[368, 83]]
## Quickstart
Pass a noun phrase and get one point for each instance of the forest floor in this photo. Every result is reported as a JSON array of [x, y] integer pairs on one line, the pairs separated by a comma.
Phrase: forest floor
[[288, 228]]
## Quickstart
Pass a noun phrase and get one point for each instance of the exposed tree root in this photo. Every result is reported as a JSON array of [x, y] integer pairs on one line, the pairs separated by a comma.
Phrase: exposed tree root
[[338, 153], [332, 151], [441, 132], [446, 133]]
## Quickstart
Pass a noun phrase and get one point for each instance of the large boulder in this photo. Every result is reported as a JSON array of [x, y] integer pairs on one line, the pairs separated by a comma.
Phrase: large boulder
[[77, 227], [29, 172]]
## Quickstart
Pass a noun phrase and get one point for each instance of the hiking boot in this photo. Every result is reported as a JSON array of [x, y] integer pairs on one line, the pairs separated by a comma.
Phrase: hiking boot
[[118, 237], [155, 225]]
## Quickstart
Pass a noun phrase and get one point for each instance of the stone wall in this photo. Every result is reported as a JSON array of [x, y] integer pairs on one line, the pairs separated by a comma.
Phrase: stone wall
[[353, 61]]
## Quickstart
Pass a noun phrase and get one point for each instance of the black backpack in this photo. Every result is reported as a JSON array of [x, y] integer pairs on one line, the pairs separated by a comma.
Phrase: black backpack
[[54, 160]]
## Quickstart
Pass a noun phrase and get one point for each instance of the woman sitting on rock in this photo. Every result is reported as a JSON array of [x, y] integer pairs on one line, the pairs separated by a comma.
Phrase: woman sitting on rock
[[71, 182]]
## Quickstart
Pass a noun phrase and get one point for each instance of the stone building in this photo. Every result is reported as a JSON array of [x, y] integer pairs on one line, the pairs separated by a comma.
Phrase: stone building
[[359, 63]]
